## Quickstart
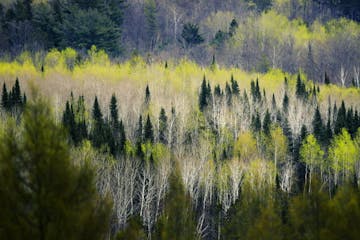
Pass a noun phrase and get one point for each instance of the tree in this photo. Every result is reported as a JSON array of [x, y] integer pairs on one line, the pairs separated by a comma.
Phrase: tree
[[341, 119], [267, 123], [44, 194], [177, 221], [203, 96], [233, 27], [5, 98], [312, 155], [190, 34], [148, 131], [114, 113], [327, 79], [318, 126], [98, 131], [163, 127], [234, 86], [151, 22], [147, 95], [286, 103], [342, 156]]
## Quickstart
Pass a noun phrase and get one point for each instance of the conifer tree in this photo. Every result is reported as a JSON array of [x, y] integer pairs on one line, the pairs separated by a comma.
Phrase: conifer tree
[[147, 95], [235, 86], [273, 102], [341, 119], [228, 94], [69, 121], [163, 127], [148, 131], [318, 126], [114, 114], [47, 195], [122, 137], [217, 91], [203, 96], [233, 26], [80, 119], [327, 79], [267, 123], [5, 98], [16, 98], [98, 133], [139, 137], [288, 133], [286, 103], [256, 123]]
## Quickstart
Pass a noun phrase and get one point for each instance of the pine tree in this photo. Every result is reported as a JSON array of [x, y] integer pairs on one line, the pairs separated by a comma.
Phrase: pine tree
[[286, 103], [318, 127], [256, 123], [341, 119], [327, 79], [98, 133], [147, 95], [148, 131], [5, 98], [16, 94], [47, 195], [96, 112], [289, 135], [233, 26], [139, 137], [235, 86], [267, 123], [114, 115], [163, 127], [69, 121], [300, 88], [228, 94], [217, 91], [80, 119], [273, 103], [203, 98]]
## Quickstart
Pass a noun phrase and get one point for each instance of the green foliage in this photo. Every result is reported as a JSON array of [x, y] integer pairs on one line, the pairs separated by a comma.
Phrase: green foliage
[[191, 35], [318, 127], [267, 123], [44, 195], [177, 220], [133, 231], [340, 122], [163, 127], [148, 131]]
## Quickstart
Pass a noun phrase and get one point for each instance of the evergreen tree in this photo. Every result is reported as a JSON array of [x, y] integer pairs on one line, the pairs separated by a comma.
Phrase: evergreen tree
[[5, 98], [15, 95], [233, 27], [44, 193], [217, 91], [139, 137], [267, 123], [80, 119], [203, 98], [273, 103], [341, 119], [147, 95], [177, 221], [235, 87], [122, 137], [318, 127], [327, 79], [289, 135], [151, 22], [256, 123], [114, 115], [191, 35], [69, 121], [163, 127], [228, 94], [286, 103], [300, 88], [98, 133], [148, 131]]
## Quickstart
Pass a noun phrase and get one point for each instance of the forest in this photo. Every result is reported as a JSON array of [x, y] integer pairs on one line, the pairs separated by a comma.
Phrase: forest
[[154, 119]]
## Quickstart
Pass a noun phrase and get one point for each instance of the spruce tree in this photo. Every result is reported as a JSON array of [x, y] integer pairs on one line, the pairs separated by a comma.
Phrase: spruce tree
[[5, 98], [163, 127], [286, 103], [45, 194], [16, 98], [148, 131], [318, 126], [203, 98], [98, 133], [235, 86], [341, 119], [114, 115], [228, 94], [217, 91], [273, 102], [69, 121], [267, 123], [289, 135], [327, 79], [256, 123], [147, 95], [139, 137]]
